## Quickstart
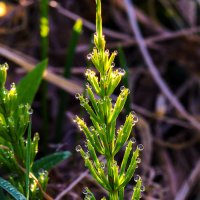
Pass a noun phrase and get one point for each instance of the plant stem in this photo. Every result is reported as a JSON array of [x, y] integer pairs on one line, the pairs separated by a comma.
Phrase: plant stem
[[113, 195]]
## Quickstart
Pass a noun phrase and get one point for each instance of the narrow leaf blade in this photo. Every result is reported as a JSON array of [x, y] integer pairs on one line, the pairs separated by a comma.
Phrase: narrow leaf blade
[[28, 153], [11, 190], [28, 86], [50, 161]]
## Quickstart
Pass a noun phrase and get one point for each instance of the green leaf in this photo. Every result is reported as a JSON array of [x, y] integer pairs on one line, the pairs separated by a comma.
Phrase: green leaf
[[137, 190], [28, 86], [11, 190], [28, 153], [50, 161]]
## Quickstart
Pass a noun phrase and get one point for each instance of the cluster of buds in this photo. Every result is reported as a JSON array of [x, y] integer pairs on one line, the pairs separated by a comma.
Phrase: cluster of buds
[[14, 120], [102, 138]]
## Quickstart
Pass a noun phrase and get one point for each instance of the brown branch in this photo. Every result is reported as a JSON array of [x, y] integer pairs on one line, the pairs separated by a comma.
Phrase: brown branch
[[158, 38], [189, 183], [74, 183], [153, 69], [28, 64], [146, 20], [31, 175]]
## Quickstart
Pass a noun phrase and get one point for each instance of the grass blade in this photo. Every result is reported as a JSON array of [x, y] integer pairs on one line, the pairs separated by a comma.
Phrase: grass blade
[[11, 190], [50, 161], [28, 86], [28, 152], [44, 33]]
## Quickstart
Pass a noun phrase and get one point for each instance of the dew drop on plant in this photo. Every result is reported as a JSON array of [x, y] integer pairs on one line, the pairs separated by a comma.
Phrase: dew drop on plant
[[6, 67], [87, 155], [102, 164], [138, 160], [115, 53], [89, 56], [12, 85], [113, 65], [85, 144], [30, 111], [77, 96], [107, 52], [133, 140], [140, 147], [91, 128], [114, 163], [121, 71], [142, 188], [78, 148], [122, 88], [136, 178], [135, 119], [85, 190]]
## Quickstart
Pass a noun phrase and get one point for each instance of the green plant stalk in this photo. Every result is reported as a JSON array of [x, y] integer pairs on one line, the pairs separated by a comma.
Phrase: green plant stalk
[[28, 152], [44, 33], [17, 154], [63, 97], [102, 137]]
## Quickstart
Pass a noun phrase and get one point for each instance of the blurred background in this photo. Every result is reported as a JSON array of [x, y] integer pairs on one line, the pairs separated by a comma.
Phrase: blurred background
[[163, 74]]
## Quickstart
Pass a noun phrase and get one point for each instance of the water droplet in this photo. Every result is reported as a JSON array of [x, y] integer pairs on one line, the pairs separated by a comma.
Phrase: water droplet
[[136, 178], [78, 148], [133, 140], [91, 128], [30, 111], [77, 96], [115, 53], [85, 190], [142, 188], [140, 147], [12, 85], [135, 119], [138, 160], [89, 56], [85, 143], [102, 164], [122, 88], [86, 100], [114, 163], [6, 67], [87, 155], [121, 71], [107, 52], [113, 64]]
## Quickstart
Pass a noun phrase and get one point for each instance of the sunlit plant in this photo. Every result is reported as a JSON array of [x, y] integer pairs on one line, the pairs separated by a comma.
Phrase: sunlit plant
[[103, 138], [27, 179], [14, 120]]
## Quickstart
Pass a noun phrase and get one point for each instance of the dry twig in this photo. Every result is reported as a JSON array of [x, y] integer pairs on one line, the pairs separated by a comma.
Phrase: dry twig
[[28, 64], [189, 183], [153, 69]]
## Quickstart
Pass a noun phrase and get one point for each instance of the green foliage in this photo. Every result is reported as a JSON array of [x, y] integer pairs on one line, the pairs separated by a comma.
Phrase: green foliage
[[48, 162], [102, 138], [11, 190], [16, 153], [28, 152], [28, 86]]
